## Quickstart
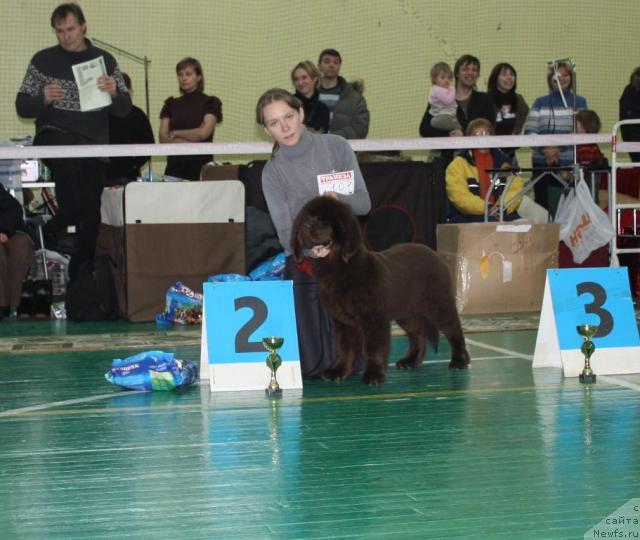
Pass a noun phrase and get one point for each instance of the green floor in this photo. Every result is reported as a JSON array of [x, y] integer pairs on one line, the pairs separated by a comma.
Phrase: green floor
[[500, 451]]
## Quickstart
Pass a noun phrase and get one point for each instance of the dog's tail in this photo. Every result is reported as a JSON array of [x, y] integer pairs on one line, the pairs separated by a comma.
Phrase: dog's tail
[[433, 336]]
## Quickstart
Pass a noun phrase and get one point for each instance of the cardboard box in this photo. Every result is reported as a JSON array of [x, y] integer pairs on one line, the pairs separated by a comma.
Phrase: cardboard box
[[157, 233], [211, 171], [498, 267]]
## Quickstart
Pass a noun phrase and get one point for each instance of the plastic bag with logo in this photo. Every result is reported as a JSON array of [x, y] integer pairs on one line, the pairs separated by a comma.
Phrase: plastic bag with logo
[[183, 305], [584, 226]]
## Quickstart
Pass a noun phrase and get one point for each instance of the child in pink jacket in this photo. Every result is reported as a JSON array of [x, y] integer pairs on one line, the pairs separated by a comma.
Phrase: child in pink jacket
[[442, 98]]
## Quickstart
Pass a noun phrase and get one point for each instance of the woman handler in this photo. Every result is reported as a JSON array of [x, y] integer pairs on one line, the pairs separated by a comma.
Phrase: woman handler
[[298, 171]]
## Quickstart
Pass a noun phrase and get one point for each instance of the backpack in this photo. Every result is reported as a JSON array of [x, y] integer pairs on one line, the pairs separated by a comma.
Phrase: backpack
[[92, 295]]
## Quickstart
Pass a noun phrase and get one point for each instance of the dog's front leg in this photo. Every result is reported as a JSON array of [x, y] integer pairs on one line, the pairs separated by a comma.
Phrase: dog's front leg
[[348, 346], [376, 348]]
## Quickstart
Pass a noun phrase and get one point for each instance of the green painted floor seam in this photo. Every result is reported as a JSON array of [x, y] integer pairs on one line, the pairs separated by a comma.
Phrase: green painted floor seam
[[191, 336]]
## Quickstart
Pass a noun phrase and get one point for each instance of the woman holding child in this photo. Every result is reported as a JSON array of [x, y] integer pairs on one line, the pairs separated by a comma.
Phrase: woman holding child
[[469, 102]]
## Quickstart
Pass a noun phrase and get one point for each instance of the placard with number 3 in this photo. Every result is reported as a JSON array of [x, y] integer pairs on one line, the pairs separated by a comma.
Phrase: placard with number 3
[[599, 296]]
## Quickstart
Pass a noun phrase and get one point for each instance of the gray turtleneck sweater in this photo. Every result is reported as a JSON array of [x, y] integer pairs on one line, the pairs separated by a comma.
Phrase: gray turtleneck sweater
[[289, 179]]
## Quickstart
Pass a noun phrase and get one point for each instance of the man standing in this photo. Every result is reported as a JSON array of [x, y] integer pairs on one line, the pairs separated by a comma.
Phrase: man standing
[[49, 93], [348, 108], [471, 103]]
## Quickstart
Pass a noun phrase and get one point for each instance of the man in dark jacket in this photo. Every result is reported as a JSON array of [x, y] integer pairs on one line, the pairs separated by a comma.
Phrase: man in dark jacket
[[630, 109], [348, 108], [50, 94]]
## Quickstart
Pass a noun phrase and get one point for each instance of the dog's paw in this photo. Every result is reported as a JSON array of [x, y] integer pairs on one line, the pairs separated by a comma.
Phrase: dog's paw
[[408, 363], [459, 363], [373, 378], [335, 374]]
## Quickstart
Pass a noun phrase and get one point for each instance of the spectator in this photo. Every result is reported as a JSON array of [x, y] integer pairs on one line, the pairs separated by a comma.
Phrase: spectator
[[589, 155], [289, 180], [471, 103], [511, 108], [553, 114], [305, 77], [190, 118], [132, 129], [347, 106], [468, 181], [16, 252], [49, 94], [630, 109]]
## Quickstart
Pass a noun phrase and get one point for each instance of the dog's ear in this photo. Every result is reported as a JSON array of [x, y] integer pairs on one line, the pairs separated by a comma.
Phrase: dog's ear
[[350, 234]]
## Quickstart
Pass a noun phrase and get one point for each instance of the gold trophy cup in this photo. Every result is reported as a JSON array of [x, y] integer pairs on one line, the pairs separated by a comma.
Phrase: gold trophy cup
[[587, 331], [272, 344]]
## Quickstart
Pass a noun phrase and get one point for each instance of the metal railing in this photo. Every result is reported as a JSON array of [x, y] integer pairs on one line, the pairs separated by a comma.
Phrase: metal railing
[[616, 208]]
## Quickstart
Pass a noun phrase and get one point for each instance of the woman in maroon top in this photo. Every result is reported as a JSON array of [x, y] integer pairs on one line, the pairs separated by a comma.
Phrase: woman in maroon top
[[190, 118]]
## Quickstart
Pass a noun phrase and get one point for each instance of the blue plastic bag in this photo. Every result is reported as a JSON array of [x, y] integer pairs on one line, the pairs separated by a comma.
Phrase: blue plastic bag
[[225, 278], [271, 269], [152, 370]]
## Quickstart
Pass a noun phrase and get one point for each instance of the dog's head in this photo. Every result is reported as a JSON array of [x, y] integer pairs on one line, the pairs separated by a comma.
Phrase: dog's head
[[325, 221]]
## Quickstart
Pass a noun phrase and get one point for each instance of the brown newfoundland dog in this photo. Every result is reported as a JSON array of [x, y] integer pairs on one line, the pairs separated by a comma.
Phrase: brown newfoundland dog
[[365, 290]]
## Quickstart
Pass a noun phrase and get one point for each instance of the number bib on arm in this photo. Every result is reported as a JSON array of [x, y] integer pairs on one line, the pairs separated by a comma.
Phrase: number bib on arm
[[339, 182]]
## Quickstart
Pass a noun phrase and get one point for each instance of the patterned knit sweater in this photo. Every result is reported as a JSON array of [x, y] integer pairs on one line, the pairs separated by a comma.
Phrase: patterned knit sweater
[[54, 65]]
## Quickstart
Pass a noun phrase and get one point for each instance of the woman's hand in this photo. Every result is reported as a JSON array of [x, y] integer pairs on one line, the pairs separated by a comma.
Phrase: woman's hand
[[551, 154], [177, 137], [200, 134], [3, 238]]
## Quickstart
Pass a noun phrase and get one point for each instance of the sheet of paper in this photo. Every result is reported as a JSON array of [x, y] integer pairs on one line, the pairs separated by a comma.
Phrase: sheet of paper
[[86, 75], [340, 182]]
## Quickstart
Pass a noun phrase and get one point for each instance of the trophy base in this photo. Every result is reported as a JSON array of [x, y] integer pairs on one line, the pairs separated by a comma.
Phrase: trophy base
[[273, 392], [587, 378]]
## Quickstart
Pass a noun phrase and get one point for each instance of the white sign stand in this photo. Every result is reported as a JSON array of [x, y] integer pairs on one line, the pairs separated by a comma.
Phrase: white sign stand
[[599, 296], [547, 351], [236, 316]]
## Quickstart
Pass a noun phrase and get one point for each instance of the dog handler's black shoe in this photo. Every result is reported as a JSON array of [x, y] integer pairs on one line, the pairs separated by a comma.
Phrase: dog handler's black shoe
[[42, 300], [27, 303]]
